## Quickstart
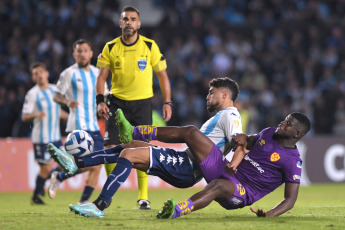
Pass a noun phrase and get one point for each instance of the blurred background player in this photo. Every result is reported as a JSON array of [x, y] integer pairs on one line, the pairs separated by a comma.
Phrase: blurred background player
[[76, 90], [40, 108], [131, 58]]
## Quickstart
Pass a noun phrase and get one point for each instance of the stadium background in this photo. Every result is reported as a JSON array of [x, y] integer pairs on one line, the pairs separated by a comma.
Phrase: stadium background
[[287, 55]]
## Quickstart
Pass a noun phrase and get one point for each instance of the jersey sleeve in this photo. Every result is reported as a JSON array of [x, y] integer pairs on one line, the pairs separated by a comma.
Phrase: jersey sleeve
[[231, 124], [158, 61], [103, 60], [29, 104], [63, 83], [293, 171]]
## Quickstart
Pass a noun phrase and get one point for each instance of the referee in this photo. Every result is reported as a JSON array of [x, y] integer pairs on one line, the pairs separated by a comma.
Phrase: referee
[[131, 59]]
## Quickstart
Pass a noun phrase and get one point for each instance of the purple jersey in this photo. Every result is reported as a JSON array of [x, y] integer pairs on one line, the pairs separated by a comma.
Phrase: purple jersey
[[267, 166]]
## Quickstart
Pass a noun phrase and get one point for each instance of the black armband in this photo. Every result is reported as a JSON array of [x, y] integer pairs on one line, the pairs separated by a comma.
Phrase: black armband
[[99, 98], [168, 103]]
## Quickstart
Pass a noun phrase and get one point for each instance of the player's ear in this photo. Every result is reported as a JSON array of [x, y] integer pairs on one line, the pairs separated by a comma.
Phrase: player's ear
[[225, 94]]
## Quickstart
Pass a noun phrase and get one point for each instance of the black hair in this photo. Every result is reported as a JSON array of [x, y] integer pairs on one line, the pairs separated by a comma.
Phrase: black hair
[[37, 64], [81, 41], [226, 83], [130, 9], [303, 120]]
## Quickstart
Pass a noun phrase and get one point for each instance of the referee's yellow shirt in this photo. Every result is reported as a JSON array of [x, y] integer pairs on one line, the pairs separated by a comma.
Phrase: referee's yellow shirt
[[131, 67]]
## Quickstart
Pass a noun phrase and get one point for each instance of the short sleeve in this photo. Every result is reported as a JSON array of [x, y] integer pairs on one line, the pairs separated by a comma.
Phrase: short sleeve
[[63, 83], [158, 61], [29, 104], [231, 124], [293, 171], [103, 60]]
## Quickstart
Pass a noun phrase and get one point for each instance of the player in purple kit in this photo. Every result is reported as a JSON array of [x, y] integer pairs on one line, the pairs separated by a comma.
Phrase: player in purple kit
[[273, 159]]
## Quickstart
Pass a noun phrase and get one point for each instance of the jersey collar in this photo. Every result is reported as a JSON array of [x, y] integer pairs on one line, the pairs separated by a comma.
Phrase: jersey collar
[[130, 44]]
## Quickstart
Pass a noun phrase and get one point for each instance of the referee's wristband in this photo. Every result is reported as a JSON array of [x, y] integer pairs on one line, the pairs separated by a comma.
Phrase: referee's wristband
[[168, 103], [99, 98]]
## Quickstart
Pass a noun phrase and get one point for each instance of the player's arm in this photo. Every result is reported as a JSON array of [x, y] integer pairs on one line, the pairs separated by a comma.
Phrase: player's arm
[[166, 91], [31, 116], [247, 141], [102, 108], [290, 194], [62, 100], [231, 167], [30, 111]]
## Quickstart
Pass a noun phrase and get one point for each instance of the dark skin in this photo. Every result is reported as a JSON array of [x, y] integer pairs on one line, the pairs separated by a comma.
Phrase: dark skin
[[221, 189]]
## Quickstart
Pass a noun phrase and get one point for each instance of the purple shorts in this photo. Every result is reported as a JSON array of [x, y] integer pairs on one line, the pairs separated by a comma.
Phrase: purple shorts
[[213, 167]]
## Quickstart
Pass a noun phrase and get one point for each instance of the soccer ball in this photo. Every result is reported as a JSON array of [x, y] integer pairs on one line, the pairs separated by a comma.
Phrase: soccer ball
[[79, 143]]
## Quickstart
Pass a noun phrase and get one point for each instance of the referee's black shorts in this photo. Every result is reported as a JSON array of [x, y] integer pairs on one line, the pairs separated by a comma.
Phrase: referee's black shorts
[[137, 112]]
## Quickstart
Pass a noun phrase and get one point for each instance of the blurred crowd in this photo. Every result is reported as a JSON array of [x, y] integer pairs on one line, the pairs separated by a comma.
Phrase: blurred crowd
[[286, 55]]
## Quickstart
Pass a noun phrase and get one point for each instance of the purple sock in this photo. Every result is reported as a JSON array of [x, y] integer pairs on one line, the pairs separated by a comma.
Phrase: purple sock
[[145, 133], [183, 208]]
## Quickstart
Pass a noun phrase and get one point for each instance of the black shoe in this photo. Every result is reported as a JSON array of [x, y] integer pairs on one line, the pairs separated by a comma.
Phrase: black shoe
[[144, 204], [37, 200]]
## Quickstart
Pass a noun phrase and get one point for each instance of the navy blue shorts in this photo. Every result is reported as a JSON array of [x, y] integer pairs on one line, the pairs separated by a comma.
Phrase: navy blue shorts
[[41, 154], [174, 167], [97, 139]]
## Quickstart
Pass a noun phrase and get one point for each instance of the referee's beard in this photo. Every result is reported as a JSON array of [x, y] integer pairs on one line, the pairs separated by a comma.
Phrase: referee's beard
[[129, 33]]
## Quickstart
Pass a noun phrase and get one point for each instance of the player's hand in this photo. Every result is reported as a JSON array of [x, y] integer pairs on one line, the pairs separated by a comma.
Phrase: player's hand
[[259, 212], [72, 104], [40, 115], [230, 168], [103, 110], [167, 111], [241, 139]]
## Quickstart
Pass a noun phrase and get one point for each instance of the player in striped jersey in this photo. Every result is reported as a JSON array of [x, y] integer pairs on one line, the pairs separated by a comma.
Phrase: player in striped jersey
[[76, 89], [178, 168], [40, 108]]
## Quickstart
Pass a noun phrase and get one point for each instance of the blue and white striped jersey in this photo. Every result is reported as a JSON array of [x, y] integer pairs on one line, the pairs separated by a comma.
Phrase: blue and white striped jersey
[[77, 84], [221, 127], [44, 130]]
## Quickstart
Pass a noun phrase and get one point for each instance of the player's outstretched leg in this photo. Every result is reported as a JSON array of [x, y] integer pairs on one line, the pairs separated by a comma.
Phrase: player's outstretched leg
[[63, 159], [125, 128], [168, 210], [87, 210]]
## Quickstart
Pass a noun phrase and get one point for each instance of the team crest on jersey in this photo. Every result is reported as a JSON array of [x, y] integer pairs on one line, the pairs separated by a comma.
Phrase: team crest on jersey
[[142, 64], [275, 157], [236, 123], [100, 56]]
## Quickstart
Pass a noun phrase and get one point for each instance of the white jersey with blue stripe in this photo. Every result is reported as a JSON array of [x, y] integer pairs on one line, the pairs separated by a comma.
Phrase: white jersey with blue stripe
[[47, 129], [79, 85], [221, 127]]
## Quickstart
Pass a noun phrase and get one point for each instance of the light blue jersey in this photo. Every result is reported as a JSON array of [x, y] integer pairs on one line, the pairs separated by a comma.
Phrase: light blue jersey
[[47, 129], [79, 85], [221, 127]]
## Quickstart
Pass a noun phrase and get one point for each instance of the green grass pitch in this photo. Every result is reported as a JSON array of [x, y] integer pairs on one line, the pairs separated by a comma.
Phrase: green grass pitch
[[318, 207]]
